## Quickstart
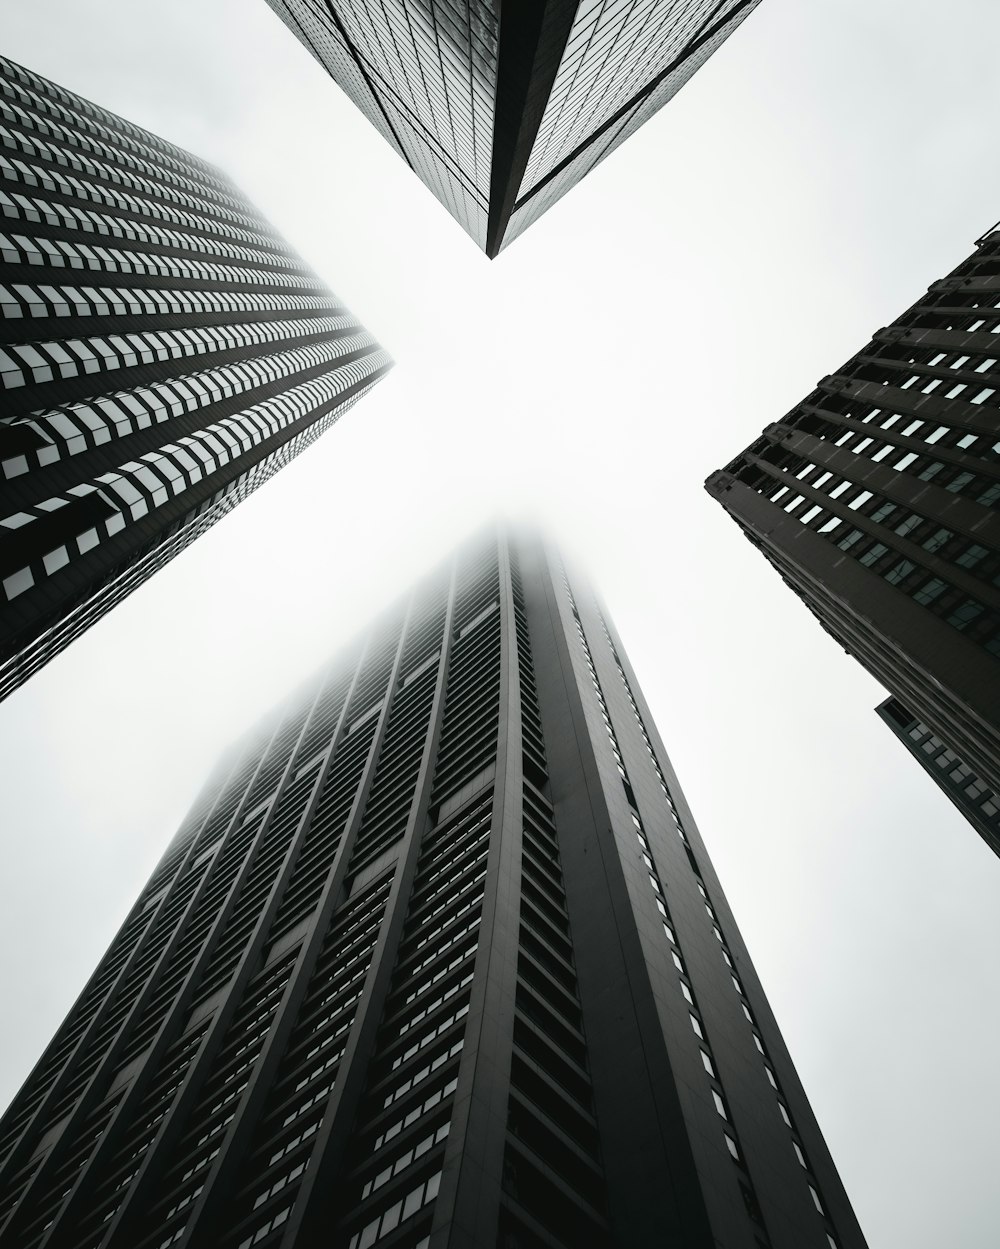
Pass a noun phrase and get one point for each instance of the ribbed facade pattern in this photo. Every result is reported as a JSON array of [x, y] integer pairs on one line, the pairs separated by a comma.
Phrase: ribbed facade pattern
[[438, 959], [500, 109], [877, 499], [162, 353]]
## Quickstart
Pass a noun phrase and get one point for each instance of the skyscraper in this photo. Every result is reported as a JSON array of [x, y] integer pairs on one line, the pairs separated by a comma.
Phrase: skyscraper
[[876, 499], [163, 353], [500, 108], [437, 959], [977, 802]]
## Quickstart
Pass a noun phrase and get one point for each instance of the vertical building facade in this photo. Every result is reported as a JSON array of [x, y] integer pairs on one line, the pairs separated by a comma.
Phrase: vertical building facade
[[877, 498], [438, 959], [500, 108], [162, 353], [974, 798]]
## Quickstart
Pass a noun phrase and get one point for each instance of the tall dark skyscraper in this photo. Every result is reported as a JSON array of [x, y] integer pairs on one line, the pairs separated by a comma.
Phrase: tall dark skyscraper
[[876, 498], [501, 107], [977, 802], [437, 959], [162, 353]]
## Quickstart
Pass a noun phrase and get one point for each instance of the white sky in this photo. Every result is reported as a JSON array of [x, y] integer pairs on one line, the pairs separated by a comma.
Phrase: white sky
[[834, 158]]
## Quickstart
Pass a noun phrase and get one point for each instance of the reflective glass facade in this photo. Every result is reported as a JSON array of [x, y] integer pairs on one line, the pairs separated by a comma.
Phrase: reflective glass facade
[[501, 108], [623, 61], [877, 500], [437, 959], [162, 353]]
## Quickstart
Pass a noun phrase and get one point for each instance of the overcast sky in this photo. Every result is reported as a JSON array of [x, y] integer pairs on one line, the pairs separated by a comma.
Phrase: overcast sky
[[827, 164]]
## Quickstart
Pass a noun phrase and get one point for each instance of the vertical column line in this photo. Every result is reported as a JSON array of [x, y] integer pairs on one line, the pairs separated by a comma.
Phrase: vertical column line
[[88, 1097], [533, 36], [171, 1027], [705, 33], [467, 1210], [120, 1229], [652, 1183], [69, 1063], [311, 1217]]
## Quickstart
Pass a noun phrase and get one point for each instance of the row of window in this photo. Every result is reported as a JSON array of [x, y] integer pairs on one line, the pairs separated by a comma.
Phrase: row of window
[[949, 601], [67, 144], [768, 1068], [102, 171], [136, 487], [414, 1114], [23, 364], [442, 968], [63, 254], [422, 1073], [79, 426], [960, 774], [411, 1155], [20, 173], [43, 98], [414, 1201], [659, 895], [24, 301]]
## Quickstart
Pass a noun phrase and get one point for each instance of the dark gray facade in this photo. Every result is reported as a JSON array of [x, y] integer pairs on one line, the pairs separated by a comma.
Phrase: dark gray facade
[[876, 498], [162, 353], [438, 959], [501, 108], [974, 798]]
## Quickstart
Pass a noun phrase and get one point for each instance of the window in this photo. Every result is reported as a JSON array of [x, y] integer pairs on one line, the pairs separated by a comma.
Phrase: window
[[965, 613], [274, 1221], [720, 1105], [937, 539], [873, 554], [901, 569], [971, 555], [706, 1062], [397, 1213]]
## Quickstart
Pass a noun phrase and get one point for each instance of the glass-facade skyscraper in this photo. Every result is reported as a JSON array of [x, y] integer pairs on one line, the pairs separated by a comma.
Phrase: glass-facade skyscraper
[[437, 959], [500, 108], [162, 353], [877, 498]]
